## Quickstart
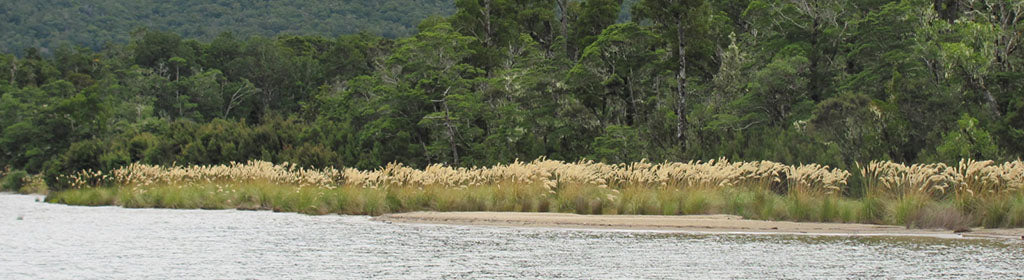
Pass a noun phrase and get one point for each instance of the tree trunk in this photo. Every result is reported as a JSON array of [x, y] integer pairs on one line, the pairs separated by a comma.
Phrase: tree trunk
[[235, 99], [563, 6], [268, 97], [451, 132], [815, 87], [177, 90], [488, 32], [14, 71], [992, 104], [426, 153], [681, 83], [990, 99], [634, 112]]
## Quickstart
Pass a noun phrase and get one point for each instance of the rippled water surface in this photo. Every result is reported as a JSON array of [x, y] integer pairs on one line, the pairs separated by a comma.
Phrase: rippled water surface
[[47, 241]]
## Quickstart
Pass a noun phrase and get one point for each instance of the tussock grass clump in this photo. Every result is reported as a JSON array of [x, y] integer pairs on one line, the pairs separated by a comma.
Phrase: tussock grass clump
[[1015, 216], [969, 179], [972, 193], [547, 173], [85, 197], [937, 215]]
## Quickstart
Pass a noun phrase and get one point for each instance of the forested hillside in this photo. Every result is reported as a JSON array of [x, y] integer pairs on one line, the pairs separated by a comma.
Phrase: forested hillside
[[796, 81], [46, 24]]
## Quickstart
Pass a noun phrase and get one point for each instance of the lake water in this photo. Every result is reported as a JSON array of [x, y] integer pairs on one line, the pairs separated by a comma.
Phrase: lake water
[[47, 241]]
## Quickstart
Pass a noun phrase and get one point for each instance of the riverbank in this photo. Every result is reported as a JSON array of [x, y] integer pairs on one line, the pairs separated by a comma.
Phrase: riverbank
[[749, 203], [973, 194], [688, 223]]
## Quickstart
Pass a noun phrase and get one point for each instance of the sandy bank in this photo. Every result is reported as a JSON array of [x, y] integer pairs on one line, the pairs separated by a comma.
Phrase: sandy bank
[[693, 223]]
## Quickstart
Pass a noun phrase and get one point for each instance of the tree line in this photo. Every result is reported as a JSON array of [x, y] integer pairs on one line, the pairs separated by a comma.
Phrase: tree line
[[47, 24], [795, 81]]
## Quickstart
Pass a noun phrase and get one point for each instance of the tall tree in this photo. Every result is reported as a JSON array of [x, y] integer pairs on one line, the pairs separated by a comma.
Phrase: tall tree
[[818, 27], [614, 75], [590, 17], [679, 18], [435, 60]]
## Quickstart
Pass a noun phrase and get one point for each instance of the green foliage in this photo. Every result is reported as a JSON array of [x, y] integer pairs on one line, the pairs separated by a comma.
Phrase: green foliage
[[49, 24], [590, 18], [830, 82], [619, 144], [850, 123], [14, 180], [967, 140]]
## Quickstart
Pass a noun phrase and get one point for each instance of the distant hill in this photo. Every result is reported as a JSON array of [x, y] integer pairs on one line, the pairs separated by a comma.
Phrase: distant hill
[[47, 24]]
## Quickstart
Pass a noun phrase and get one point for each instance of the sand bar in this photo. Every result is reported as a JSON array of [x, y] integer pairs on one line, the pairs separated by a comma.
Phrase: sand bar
[[691, 223]]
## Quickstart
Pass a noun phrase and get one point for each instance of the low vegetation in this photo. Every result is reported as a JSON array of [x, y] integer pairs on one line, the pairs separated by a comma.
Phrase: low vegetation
[[13, 180], [21, 182], [956, 197]]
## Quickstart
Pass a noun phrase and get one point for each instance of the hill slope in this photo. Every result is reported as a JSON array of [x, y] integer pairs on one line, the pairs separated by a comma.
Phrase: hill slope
[[49, 23]]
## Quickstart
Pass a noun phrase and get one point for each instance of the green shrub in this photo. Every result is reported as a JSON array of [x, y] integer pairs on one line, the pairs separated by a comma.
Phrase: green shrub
[[994, 212], [906, 208], [872, 210], [14, 180], [1015, 217]]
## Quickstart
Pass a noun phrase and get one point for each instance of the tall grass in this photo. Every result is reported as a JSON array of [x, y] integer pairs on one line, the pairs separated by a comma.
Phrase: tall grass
[[972, 193]]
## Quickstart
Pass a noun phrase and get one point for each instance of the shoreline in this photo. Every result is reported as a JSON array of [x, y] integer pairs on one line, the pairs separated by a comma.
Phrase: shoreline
[[712, 224]]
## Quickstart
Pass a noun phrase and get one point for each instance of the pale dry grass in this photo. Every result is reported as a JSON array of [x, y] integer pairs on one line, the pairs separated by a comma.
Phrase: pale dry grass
[[556, 174], [969, 178], [923, 195], [550, 174], [142, 175]]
